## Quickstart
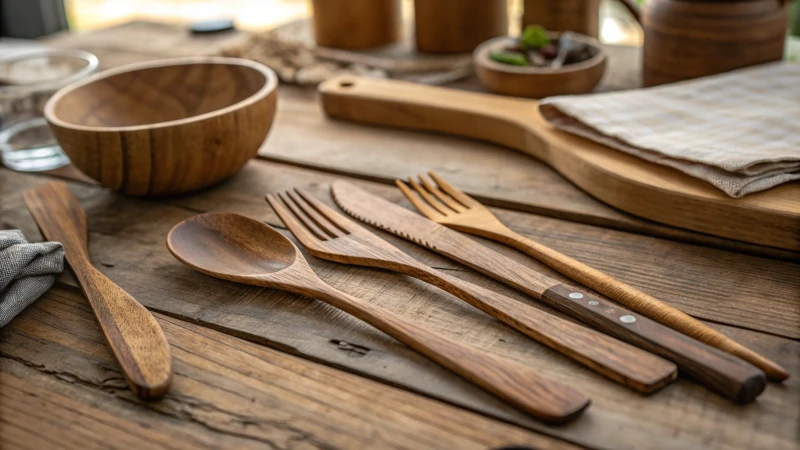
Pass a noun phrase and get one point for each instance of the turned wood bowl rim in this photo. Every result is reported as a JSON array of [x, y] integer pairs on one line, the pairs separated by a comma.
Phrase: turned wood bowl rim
[[481, 57], [270, 85]]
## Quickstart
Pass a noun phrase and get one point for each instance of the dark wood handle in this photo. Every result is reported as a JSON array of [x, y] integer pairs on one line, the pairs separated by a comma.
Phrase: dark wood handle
[[639, 301], [624, 363], [519, 385], [132, 332], [717, 370]]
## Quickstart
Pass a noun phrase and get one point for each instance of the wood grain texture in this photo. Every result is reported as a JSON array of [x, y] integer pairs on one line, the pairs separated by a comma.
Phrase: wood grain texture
[[131, 331], [329, 235], [458, 26], [655, 192], [166, 127], [127, 244], [703, 363], [446, 205], [537, 82], [357, 24], [237, 248], [684, 40], [59, 387], [580, 16]]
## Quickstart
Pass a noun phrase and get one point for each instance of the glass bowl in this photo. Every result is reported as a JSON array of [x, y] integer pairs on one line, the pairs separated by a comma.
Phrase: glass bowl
[[26, 83]]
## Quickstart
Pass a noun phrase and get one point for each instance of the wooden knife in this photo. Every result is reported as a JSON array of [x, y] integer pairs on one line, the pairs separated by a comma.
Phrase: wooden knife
[[715, 369]]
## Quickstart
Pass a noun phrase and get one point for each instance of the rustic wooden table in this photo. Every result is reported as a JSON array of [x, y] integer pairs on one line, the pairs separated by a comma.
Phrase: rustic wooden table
[[262, 368]]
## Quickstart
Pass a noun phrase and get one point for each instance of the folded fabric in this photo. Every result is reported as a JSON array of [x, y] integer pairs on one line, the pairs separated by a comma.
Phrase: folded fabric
[[740, 131], [26, 271]]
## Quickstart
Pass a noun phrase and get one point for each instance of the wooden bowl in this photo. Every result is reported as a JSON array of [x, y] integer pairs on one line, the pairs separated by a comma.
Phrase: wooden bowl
[[165, 127], [538, 82]]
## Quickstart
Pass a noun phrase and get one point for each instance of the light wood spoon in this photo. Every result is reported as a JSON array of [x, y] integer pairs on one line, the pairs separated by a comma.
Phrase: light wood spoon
[[236, 248], [131, 331]]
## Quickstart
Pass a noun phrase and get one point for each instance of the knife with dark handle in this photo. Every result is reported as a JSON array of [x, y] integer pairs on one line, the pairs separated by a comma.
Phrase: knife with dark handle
[[719, 371]]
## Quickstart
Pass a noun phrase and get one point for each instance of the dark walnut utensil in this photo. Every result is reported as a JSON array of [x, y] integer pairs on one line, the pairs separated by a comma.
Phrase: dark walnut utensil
[[446, 205], [236, 248], [131, 331], [332, 236], [715, 369]]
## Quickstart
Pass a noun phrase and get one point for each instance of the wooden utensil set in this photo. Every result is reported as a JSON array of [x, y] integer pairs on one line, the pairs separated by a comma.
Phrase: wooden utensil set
[[631, 347]]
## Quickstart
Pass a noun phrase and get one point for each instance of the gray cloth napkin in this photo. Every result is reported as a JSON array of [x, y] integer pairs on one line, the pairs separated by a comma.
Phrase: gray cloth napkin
[[26, 271], [739, 131]]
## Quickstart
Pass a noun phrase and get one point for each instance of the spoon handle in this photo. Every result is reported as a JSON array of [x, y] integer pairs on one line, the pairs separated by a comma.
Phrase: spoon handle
[[511, 381], [131, 331]]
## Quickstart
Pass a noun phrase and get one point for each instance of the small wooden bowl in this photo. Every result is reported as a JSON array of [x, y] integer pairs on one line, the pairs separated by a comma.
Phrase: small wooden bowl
[[165, 127], [538, 82]]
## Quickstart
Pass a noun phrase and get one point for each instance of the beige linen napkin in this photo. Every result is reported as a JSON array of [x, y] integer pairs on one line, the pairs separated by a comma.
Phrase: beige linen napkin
[[740, 131]]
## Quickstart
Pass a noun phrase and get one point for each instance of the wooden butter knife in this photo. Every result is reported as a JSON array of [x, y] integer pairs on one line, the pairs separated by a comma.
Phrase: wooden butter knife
[[131, 331], [717, 370]]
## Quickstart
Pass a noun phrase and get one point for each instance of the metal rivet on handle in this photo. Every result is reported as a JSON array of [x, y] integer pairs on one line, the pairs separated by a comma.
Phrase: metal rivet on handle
[[594, 302], [627, 319], [575, 295]]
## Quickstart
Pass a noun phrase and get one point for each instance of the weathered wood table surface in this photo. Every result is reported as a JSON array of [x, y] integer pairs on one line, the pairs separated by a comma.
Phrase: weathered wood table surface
[[267, 369]]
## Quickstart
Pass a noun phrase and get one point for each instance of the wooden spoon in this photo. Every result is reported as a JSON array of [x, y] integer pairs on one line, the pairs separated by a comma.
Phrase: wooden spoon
[[240, 249], [131, 331]]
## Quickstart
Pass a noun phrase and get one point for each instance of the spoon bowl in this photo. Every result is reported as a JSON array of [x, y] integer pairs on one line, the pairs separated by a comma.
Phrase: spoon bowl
[[230, 246]]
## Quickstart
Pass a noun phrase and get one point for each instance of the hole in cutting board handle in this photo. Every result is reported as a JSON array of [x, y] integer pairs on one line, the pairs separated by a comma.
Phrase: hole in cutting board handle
[[347, 83]]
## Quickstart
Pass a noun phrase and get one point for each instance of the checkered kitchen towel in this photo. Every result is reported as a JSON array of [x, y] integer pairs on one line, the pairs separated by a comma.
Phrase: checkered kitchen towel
[[26, 271], [740, 131]]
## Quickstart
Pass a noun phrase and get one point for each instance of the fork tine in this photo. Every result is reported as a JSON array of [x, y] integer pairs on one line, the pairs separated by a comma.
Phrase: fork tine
[[339, 220], [463, 198], [321, 221], [309, 224], [298, 230], [454, 205], [421, 206], [437, 205]]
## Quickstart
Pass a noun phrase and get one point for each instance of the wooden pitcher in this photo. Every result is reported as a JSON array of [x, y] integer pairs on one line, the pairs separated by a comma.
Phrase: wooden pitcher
[[683, 39], [686, 39]]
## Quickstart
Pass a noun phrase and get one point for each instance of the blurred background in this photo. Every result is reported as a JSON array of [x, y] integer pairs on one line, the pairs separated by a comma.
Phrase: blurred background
[[617, 26]]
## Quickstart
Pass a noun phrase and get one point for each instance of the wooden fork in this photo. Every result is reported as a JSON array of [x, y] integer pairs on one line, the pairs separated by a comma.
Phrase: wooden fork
[[449, 206], [332, 236]]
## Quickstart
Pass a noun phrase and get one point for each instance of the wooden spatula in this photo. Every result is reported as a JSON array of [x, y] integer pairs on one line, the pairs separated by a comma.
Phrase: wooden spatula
[[131, 331]]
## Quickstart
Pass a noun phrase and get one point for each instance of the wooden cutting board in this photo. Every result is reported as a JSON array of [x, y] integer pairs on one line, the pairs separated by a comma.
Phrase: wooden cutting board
[[633, 185]]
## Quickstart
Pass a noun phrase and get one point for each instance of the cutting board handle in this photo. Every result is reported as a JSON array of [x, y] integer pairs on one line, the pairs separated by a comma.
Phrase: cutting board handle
[[492, 118], [636, 186]]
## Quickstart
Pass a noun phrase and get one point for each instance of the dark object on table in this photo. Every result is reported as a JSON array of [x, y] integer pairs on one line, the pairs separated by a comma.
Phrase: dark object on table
[[212, 26], [458, 26], [684, 40], [357, 24], [26, 271]]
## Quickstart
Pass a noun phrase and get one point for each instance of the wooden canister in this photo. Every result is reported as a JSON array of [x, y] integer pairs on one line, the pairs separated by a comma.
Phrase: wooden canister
[[458, 26], [580, 16], [690, 39], [357, 24]]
